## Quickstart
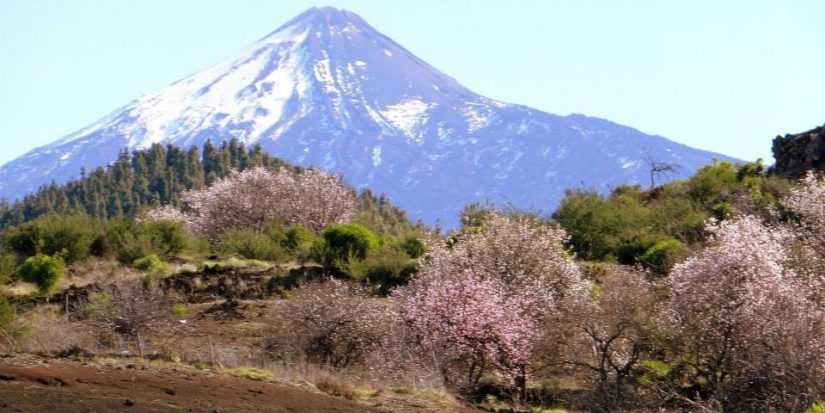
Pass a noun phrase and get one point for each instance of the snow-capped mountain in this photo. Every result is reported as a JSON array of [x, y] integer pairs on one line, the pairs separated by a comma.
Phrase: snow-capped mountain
[[327, 89]]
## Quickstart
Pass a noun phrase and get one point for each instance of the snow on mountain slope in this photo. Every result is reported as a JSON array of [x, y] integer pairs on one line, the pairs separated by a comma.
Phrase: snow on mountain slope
[[327, 89]]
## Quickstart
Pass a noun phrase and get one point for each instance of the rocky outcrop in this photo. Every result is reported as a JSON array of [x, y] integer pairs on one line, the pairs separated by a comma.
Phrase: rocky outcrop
[[796, 154]]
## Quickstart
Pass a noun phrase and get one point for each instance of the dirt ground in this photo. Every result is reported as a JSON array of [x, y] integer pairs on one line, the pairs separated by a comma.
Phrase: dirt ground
[[30, 384]]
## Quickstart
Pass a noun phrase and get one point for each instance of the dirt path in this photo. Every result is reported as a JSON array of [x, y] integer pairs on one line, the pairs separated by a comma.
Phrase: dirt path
[[32, 385]]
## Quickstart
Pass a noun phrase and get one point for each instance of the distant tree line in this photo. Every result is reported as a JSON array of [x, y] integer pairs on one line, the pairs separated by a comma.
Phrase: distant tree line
[[160, 175], [155, 176]]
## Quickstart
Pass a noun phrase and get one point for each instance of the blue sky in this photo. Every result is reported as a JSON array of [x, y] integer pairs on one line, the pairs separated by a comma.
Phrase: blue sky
[[726, 76]]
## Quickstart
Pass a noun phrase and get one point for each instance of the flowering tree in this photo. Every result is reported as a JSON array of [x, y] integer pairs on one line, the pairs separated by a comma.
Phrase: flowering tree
[[805, 200], [478, 303], [526, 256], [256, 196], [470, 321], [744, 315], [163, 213]]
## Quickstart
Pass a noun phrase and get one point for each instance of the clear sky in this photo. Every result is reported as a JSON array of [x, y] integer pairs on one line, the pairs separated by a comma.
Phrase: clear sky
[[726, 76]]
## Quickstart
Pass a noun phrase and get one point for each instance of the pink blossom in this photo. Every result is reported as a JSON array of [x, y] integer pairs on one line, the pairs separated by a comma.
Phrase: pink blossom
[[480, 302], [256, 197]]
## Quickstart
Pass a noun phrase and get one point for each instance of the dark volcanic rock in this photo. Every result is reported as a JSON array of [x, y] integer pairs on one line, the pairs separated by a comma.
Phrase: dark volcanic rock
[[798, 153]]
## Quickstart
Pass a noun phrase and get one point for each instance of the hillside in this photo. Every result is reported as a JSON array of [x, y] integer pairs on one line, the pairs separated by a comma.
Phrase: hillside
[[326, 89]]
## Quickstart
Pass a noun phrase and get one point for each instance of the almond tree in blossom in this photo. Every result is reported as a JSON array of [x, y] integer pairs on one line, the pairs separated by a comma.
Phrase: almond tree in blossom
[[805, 200], [743, 313], [472, 322], [478, 304], [257, 196]]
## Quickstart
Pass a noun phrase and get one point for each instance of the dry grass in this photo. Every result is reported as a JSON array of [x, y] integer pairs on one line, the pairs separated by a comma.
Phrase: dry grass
[[50, 331], [20, 288], [97, 270], [253, 373]]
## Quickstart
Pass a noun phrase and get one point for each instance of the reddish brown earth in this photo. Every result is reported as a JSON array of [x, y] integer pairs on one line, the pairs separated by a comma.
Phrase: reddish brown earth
[[29, 384]]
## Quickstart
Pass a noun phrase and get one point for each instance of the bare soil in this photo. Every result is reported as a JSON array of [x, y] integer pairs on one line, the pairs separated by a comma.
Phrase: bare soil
[[31, 384]]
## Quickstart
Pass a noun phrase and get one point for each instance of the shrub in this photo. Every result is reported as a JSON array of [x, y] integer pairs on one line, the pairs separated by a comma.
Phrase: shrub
[[342, 242], [168, 237], [44, 271], [251, 244], [298, 241], [632, 246], [129, 241], [153, 265], [472, 323], [126, 308], [389, 268], [70, 236], [722, 210], [712, 181], [331, 323], [661, 257], [589, 220], [413, 246]]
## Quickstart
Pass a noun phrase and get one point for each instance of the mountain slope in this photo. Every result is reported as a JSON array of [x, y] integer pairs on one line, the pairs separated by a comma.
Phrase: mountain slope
[[327, 89]]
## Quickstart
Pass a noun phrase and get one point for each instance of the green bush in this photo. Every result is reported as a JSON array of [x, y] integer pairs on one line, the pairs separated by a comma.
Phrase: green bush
[[153, 265], [70, 236], [343, 242], [128, 241], [413, 246], [168, 237], [722, 211], [632, 246], [275, 232], [661, 257], [591, 221], [44, 271], [298, 241], [389, 268], [251, 244], [712, 181]]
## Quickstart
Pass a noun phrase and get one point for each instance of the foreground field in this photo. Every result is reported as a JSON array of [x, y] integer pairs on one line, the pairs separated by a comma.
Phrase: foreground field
[[34, 384]]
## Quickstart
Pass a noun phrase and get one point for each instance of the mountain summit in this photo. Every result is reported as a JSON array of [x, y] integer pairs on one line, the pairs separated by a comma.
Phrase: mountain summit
[[327, 89]]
